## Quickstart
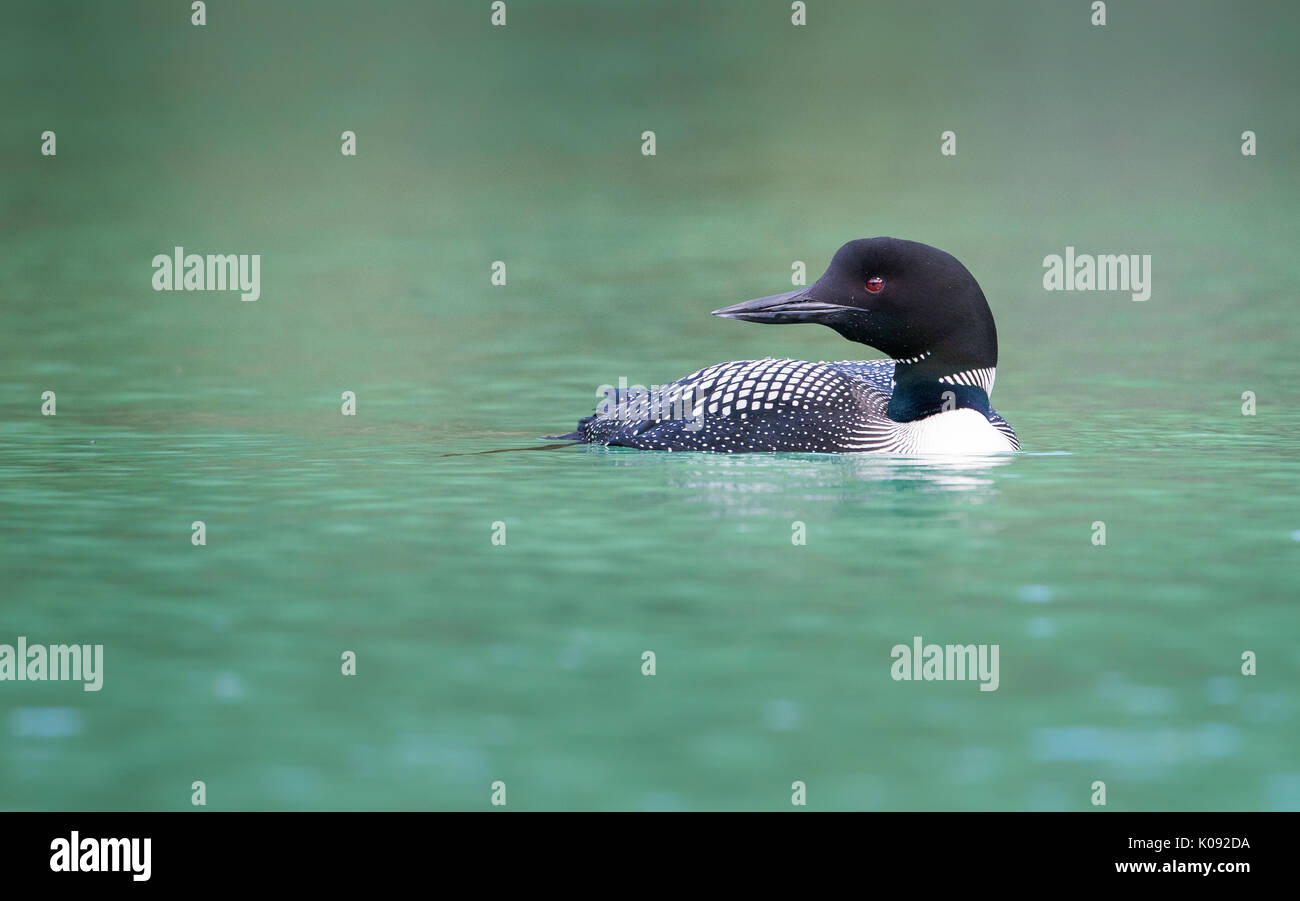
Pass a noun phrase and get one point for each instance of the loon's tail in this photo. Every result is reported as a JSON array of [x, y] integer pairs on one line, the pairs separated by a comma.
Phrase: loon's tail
[[583, 432]]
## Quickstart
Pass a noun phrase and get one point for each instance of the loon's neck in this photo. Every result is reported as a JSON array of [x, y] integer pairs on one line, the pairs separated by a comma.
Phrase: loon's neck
[[932, 383]]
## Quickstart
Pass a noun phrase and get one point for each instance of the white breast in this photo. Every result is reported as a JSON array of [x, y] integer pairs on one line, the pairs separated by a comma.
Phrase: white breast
[[961, 431]]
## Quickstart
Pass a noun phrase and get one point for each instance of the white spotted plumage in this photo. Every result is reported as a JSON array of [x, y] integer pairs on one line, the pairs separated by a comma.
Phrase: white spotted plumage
[[795, 405]]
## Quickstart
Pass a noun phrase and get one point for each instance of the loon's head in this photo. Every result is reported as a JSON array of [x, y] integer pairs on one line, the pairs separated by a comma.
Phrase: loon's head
[[911, 301]]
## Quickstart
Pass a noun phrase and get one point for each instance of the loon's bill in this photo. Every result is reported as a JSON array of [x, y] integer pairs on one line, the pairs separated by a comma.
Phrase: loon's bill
[[911, 301]]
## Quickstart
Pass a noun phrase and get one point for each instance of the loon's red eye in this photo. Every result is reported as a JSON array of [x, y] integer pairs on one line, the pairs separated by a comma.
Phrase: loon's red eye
[[875, 284]]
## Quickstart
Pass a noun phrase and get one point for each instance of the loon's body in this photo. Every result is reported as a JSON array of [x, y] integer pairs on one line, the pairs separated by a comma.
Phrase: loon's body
[[933, 398]]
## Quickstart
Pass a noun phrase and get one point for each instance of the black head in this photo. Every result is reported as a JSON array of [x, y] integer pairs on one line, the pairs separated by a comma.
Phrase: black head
[[905, 299]]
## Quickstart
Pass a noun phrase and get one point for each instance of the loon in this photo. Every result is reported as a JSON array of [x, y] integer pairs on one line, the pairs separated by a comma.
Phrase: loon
[[909, 300]]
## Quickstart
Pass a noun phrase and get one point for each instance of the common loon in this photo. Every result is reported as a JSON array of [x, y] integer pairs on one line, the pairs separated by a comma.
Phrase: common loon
[[912, 301]]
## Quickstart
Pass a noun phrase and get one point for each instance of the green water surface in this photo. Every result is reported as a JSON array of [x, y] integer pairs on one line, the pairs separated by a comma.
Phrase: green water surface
[[522, 662]]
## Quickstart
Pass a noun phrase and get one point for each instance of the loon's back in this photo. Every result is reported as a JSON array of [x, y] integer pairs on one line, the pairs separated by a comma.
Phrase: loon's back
[[787, 405]]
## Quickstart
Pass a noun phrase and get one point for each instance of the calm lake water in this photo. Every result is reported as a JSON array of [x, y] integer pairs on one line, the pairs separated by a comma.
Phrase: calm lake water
[[522, 661]]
